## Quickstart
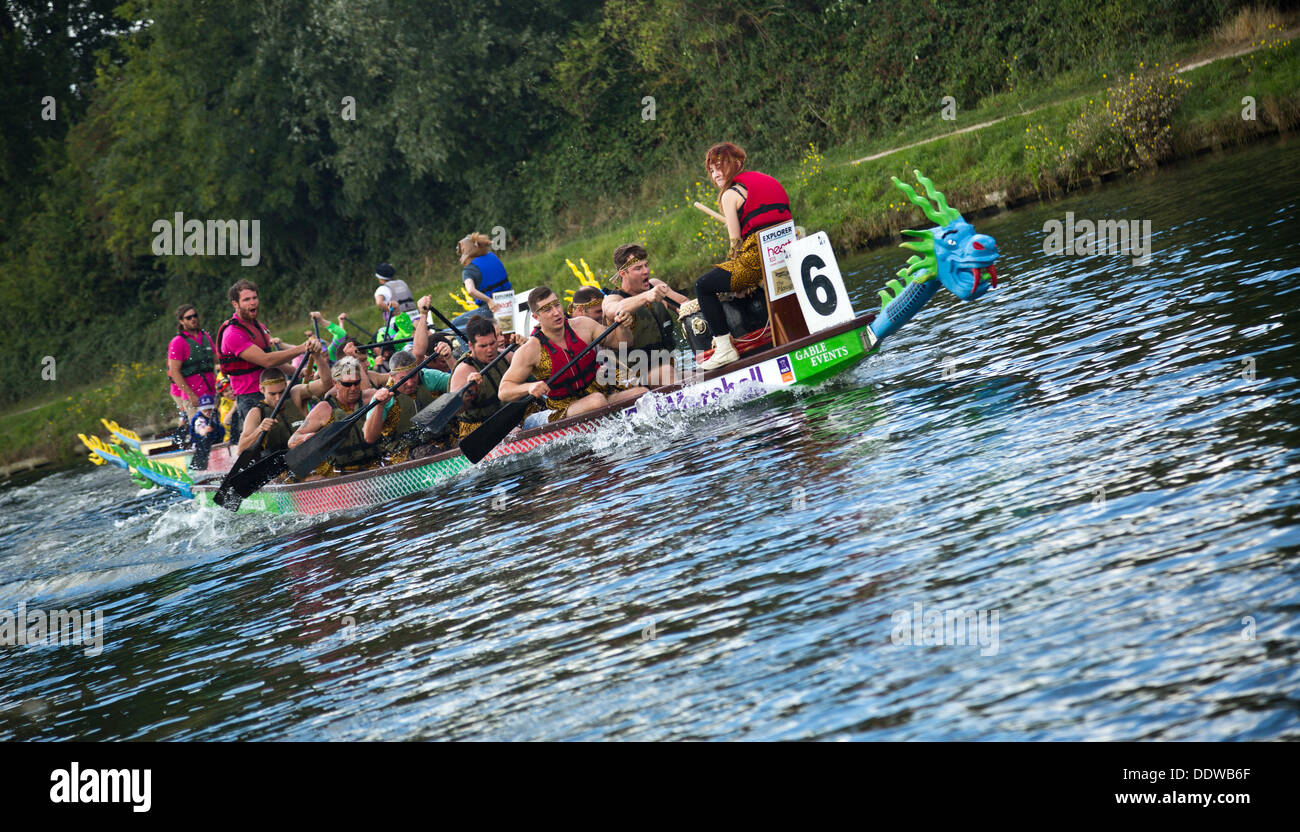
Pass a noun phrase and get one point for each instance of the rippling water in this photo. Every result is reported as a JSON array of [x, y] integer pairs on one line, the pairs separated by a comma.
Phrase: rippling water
[[1103, 455]]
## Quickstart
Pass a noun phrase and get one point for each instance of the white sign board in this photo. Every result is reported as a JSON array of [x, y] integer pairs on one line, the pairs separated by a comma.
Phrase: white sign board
[[523, 315], [772, 245], [506, 318], [818, 283]]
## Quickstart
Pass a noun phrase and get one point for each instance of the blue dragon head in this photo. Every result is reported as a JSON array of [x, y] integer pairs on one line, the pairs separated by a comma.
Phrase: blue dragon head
[[962, 260], [952, 250]]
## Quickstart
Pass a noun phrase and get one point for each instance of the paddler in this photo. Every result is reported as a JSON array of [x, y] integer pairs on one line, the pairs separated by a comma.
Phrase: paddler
[[191, 362], [244, 349], [431, 380], [749, 201], [588, 302], [553, 343], [353, 453], [389, 425], [274, 434], [424, 385], [648, 340], [225, 402], [393, 297], [423, 338], [485, 346]]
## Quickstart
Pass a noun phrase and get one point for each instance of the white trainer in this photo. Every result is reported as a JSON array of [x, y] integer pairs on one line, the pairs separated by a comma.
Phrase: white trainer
[[724, 352]]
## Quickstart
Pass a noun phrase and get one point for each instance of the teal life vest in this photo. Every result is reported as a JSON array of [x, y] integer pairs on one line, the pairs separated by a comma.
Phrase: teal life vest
[[202, 357]]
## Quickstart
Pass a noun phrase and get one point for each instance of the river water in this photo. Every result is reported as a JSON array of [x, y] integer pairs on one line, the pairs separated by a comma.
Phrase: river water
[[1094, 467]]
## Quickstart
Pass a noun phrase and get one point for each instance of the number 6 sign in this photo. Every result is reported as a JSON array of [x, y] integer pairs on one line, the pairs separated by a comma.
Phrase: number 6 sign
[[818, 283]]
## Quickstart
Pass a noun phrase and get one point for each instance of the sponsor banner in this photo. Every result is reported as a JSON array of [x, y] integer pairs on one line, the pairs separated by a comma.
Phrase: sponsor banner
[[504, 310], [750, 382], [815, 359], [787, 372], [772, 243]]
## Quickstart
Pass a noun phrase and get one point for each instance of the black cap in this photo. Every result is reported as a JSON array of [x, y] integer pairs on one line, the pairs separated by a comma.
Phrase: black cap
[[384, 271]]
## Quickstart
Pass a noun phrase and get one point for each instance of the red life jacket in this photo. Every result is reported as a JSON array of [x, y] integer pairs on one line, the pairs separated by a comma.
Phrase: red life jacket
[[766, 202], [233, 365], [576, 378]]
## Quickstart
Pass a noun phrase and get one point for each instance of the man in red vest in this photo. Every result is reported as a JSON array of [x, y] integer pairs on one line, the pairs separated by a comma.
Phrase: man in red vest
[[554, 342], [244, 349]]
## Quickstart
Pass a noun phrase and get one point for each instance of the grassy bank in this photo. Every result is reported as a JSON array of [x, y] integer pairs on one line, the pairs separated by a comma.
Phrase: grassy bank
[[1074, 130], [133, 394]]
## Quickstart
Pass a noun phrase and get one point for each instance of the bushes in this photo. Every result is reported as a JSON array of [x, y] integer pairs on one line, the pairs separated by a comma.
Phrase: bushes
[[530, 118], [1130, 126]]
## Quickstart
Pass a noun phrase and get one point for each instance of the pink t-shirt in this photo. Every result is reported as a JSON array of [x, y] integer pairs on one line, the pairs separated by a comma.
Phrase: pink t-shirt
[[205, 384], [234, 341]]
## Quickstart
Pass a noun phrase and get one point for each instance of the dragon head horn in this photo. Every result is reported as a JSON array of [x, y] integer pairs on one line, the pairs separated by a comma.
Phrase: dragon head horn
[[943, 215]]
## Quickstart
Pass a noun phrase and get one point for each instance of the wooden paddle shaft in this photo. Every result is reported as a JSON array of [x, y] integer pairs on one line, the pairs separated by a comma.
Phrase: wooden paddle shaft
[[359, 327], [706, 209]]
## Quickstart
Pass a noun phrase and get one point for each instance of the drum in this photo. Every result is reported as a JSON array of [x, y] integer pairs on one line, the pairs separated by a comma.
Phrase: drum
[[694, 328], [745, 314]]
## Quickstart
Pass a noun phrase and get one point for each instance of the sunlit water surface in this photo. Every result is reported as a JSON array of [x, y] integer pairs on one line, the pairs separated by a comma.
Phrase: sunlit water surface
[[1102, 454]]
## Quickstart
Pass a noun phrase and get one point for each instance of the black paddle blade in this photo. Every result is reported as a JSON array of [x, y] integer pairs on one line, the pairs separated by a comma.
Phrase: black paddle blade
[[303, 459], [489, 434], [245, 459], [239, 485], [434, 418]]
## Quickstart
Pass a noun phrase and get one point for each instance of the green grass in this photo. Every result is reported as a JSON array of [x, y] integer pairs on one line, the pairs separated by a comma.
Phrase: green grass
[[856, 204], [133, 395]]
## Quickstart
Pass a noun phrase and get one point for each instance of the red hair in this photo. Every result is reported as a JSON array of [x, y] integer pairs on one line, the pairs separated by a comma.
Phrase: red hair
[[729, 157]]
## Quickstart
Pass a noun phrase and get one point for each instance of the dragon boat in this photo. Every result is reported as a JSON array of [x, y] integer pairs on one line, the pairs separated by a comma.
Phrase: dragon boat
[[152, 462], [950, 255]]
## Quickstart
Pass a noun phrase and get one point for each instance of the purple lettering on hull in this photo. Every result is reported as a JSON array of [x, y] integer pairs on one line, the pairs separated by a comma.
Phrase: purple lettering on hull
[[719, 388]]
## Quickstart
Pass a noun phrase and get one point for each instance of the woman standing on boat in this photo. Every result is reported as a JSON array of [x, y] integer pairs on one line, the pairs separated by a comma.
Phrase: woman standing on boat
[[749, 201]]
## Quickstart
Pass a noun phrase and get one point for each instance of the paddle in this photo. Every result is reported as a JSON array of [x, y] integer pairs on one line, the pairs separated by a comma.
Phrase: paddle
[[369, 335], [706, 209], [436, 420], [452, 326], [303, 459], [489, 434], [244, 477], [382, 344]]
